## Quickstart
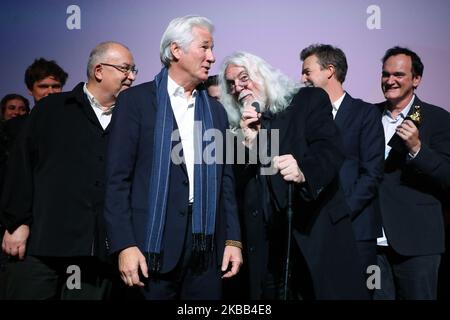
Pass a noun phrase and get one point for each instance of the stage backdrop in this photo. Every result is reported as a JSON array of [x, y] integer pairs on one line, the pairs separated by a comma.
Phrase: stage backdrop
[[278, 30]]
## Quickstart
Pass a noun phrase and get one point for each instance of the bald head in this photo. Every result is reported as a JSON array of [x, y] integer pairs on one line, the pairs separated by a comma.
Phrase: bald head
[[104, 52]]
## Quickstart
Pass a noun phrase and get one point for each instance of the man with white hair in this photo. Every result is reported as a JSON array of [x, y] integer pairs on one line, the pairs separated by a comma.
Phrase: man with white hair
[[324, 262], [171, 214]]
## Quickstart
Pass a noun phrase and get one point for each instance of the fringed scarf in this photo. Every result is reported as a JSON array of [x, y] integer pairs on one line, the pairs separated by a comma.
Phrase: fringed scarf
[[205, 176]]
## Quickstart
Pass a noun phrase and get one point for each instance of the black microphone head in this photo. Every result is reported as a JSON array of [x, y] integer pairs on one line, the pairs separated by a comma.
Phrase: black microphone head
[[256, 105]]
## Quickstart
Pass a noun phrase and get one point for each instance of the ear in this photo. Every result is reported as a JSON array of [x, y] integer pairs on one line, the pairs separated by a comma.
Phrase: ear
[[331, 71], [416, 81], [176, 50], [98, 72]]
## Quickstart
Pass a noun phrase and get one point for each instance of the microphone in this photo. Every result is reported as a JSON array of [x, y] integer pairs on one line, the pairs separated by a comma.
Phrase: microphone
[[256, 105]]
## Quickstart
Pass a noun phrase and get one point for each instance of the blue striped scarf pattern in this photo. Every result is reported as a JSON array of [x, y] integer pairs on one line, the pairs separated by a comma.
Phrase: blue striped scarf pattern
[[205, 175]]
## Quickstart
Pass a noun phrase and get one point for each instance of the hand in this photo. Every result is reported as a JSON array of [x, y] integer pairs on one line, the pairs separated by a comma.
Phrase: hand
[[250, 124], [288, 168], [15, 244], [409, 133], [231, 255], [130, 260]]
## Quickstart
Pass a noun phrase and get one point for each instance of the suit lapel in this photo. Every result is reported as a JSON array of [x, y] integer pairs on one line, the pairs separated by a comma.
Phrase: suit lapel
[[175, 155], [86, 107], [397, 159], [416, 102], [344, 110]]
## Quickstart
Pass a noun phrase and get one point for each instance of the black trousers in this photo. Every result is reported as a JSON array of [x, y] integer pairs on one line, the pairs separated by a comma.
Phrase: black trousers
[[54, 278], [186, 282], [407, 278]]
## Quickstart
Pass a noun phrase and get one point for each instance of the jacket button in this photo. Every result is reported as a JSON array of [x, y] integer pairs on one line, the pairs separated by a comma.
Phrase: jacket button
[[255, 213], [183, 212], [251, 249], [186, 182]]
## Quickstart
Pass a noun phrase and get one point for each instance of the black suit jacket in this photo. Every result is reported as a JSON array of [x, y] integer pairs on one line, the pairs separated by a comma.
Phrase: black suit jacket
[[363, 139], [8, 133], [55, 178], [412, 191], [322, 226], [128, 177]]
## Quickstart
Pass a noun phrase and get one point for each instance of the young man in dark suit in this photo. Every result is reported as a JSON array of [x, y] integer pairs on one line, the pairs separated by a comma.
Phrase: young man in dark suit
[[171, 213], [325, 66], [416, 179], [52, 204]]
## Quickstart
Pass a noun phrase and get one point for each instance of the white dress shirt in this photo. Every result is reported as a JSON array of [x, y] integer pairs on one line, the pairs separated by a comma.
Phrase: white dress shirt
[[337, 104], [184, 110], [389, 125], [104, 117]]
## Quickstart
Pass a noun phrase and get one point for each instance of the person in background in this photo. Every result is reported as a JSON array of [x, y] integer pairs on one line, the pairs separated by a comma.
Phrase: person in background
[[13, 105], [44, 77], [212, 85]]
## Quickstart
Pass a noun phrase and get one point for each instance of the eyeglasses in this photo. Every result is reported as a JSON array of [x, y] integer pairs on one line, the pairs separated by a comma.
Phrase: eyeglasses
[[126, 70], [242, 81]]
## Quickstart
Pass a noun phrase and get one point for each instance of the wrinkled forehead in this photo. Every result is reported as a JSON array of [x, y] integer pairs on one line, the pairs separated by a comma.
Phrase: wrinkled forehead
[[234, 71]]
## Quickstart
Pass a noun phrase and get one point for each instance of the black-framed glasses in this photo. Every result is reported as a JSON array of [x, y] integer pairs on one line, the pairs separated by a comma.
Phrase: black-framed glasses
[[125, 69]]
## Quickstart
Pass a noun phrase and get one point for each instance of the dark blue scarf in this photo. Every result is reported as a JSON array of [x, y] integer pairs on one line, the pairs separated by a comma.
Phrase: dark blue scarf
[[205, 175]]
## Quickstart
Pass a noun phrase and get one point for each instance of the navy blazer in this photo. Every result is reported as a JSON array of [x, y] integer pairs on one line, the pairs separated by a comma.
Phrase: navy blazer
[[363, 139], [129, 160], [412, 191]]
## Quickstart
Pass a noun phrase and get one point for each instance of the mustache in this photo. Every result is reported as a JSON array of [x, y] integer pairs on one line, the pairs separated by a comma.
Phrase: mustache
[[243, 94], [389, 86]]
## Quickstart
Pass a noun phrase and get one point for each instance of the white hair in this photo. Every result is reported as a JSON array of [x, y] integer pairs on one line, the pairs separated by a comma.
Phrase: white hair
[[179, 30], [278, 88]]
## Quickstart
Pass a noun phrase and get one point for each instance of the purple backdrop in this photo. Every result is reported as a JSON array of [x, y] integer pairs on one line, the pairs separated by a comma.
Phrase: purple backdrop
[[275, 30]]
